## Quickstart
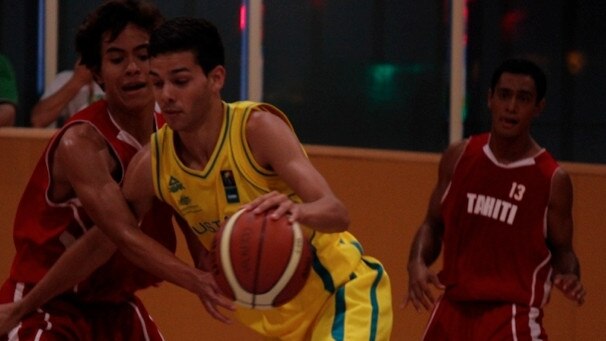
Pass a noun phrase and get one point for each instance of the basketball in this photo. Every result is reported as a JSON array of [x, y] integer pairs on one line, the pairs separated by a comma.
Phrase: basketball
[[260, 262]]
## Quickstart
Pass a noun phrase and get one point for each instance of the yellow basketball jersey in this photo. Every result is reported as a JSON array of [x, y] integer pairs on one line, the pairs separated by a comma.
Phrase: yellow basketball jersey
[[206, 198]]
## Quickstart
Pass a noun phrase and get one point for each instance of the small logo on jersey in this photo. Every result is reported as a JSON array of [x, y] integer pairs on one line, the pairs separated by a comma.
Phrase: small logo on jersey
[[184, 200], [175, 185], [229, 183]]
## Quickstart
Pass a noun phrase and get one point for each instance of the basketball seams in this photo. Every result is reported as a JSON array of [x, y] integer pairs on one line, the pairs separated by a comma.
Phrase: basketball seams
[[286, 278], [267, 299], [240, 294], [257, 265]]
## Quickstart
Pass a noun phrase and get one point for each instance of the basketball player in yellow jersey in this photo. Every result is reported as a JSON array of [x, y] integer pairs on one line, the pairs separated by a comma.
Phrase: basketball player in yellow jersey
[[214, 158]]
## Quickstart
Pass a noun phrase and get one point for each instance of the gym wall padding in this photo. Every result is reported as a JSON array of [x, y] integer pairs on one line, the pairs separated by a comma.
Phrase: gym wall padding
[[386, 193]]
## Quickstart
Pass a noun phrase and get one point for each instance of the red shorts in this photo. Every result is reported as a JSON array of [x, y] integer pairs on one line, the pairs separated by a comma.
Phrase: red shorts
[[482, 321], [67, 318]]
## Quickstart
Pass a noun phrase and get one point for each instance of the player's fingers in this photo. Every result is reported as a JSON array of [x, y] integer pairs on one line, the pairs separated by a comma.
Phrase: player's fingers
[[226, 303], [267, 201], [419, 297], [433, 279], [581, 297], [429, 296], [214, 296], [253, 204], [283, 208], [411, 298], [422, 301], [577, 292], [215, 313]]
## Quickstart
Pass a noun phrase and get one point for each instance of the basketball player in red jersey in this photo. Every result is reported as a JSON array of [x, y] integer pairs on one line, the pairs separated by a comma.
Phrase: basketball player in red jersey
[[78, 180], [502, 209]]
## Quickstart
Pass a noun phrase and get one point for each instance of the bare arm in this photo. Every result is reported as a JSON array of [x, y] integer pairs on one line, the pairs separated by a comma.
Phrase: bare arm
[[567, 273], [83, 161], [48, 109], [80, 149], [199, 254], [427, 243], [150, 255], [276, 147], [94, 247]]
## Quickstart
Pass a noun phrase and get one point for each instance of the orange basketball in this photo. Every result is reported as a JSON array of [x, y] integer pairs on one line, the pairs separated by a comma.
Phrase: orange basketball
[[260, 262]]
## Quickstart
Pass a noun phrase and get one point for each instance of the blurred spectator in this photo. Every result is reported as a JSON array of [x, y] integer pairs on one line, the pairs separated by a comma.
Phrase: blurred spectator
[[70, 92], [8, 93]]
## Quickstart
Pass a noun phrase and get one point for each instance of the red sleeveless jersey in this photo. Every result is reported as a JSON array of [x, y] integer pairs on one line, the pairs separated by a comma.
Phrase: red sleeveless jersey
[[43, 229], [495, 228]]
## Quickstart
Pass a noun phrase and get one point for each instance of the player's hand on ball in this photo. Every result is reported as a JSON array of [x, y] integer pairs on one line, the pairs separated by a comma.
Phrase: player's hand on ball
[[274, 200], [571, 286], [212, 299]]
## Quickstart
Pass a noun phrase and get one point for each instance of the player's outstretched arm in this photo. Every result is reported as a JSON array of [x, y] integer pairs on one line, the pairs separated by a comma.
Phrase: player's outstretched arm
[[427, 242], [80, 149], [275, 146], [425, 249], [88, 166], [201, 257], [150, 255], [567, 272], [69, 270]]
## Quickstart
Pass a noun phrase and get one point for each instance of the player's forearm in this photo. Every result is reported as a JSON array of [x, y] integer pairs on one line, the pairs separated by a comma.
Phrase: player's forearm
[[198, 252], [566, 262], [426, 247], [154, 258], [326, 215], [79, 261]]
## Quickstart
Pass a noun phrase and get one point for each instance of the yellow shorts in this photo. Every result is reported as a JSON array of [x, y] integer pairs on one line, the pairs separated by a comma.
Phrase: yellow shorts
[[359, 309]]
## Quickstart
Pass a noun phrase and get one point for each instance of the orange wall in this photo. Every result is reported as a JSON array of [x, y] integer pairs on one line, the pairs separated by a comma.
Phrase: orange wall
[[387, 194]]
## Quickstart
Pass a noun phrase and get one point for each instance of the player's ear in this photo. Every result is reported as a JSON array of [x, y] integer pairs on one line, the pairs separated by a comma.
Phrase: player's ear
[[217, 77], [489, 98], [539, 107], [97, 78]]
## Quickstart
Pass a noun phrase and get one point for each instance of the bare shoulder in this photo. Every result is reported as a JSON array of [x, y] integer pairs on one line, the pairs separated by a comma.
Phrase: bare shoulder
[[271, 139], [561, 184], [83, 144], [138, 181], [79, 136], [561, 175], [451, 156], [140, 163], [261, 120], [82, 161]]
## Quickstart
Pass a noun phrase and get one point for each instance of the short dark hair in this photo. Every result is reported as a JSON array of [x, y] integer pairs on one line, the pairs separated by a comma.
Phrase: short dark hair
[[112, 17], [189, 34], [524, 67]]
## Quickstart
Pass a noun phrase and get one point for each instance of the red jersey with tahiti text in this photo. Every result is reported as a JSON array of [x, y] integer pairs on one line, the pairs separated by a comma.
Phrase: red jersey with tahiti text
[[495, 228]]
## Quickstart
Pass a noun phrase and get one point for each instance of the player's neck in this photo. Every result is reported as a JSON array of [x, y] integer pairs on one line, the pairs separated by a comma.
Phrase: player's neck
[[508, 150], [196, 146], [139, 123]]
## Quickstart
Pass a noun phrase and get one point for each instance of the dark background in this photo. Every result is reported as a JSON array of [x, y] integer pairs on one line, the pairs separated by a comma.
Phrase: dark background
[[375, 74]]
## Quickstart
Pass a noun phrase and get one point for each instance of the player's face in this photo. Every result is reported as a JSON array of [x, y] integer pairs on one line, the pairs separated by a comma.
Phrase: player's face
[[125, 70], [185, 94], [513, 105]]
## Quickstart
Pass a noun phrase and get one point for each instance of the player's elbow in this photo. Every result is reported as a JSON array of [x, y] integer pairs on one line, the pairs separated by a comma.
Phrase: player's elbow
[[342, 220]]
